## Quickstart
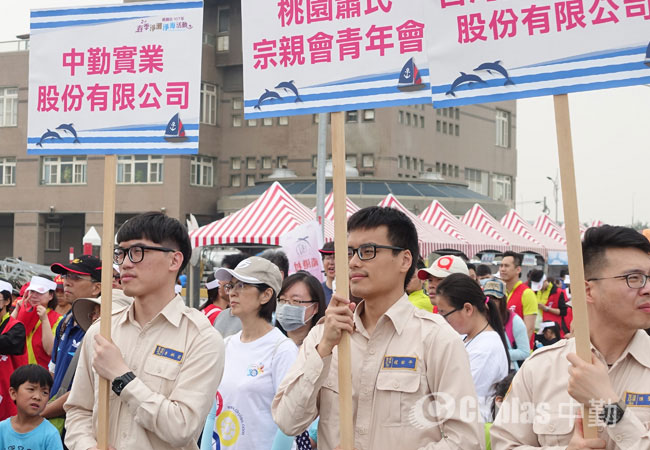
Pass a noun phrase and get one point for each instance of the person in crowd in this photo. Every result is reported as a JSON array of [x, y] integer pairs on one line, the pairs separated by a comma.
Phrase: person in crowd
[[471, 271], [500, 390], [520, 297], [415, 290], [483, 273], [439, 270], [29, 389], [82, 279], [227, 324], [398, 352], [329, 267], [462, 302], [214, 304], [514, 326], [117, 283], [257, 358], [279, 258], [615, 382], [63, 303], [551, 300], [36, 312], [549, 334], [164, 362], [12, 347]]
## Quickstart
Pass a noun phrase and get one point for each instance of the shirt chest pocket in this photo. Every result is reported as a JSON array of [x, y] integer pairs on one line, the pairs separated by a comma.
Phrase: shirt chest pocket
[[553, 430], [160, 375], [398, 396]]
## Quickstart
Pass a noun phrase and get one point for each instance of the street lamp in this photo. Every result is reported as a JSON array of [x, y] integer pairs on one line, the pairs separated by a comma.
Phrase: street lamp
[[556, 186]]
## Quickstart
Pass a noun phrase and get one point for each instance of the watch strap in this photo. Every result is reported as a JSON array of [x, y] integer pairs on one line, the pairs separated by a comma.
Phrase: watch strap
[[119, 383]]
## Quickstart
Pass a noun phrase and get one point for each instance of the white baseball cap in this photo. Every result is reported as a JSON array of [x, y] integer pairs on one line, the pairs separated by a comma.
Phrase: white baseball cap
[[41, 285], [443, 267], [537, 285], [6, 286]]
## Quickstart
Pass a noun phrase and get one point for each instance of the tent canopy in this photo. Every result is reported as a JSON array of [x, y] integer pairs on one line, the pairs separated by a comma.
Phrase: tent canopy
[[514, 222]]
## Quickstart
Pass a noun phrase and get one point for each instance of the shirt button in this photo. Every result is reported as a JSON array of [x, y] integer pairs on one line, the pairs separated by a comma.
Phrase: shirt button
[[395, 384], [371, 351], [551, 427], [366, 391], [329, 384], [618, 438], [158, 370]]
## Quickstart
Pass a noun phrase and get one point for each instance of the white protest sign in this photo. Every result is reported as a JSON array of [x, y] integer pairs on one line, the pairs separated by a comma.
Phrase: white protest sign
[[121, 79], [314, 56], [301, 246], [494, 50]]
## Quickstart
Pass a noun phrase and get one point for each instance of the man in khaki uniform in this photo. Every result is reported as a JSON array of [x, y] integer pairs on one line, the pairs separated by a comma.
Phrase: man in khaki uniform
[[402, 357], [166, 361], [540, 409]]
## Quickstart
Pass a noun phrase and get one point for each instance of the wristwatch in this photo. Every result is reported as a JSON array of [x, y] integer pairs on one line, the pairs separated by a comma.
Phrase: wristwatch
[[612, 413], [119, 383]]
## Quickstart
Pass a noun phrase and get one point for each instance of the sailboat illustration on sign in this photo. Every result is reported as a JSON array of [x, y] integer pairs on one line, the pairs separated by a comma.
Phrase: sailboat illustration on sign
[[175, 132], [409, 78]]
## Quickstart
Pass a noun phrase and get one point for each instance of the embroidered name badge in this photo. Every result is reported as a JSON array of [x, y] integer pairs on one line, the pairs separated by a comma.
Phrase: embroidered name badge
[[636, 399], [168, 353], [400, 362]]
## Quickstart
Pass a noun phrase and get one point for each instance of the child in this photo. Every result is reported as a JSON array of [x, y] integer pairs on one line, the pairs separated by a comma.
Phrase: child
[[29, 389]]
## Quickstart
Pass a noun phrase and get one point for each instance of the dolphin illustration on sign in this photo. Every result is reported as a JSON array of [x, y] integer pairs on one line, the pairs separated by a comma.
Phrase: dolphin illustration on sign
[[68, 128], [647, 56], [462, 80], [289, 86], [49, 135], [267, 97], [409, 78], [175, 131], [495, 67]]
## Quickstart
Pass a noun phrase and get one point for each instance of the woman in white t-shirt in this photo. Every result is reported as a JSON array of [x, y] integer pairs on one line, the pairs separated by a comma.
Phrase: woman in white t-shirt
[[463, 304], [257, 359]]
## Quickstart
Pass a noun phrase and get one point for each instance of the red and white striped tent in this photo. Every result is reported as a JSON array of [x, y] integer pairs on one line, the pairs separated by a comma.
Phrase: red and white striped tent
[[583, 228], [350, 207], [274, 213], [515, 223], [430, 239], [438, 217], [479, 219], [597, 223], [545, 225]]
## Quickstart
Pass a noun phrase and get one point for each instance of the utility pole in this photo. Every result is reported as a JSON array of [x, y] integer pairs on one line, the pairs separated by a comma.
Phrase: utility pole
[[556, 186]]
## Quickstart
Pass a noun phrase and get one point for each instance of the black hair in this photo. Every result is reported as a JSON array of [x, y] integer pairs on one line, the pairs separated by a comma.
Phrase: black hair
[[536, 275], [6, 295], [482, 270], [471, 266], [277, 257], [459, 289], [158, 228], [231, 261], [501, 388], [267, 309], [563, 273], [315, 289], [401, 231], [598, 239], [30, 373], [213, 294], [515, 256], [420, 264]]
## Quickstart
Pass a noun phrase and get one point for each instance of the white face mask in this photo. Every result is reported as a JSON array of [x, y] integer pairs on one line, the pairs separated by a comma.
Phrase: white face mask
[[291, 317]]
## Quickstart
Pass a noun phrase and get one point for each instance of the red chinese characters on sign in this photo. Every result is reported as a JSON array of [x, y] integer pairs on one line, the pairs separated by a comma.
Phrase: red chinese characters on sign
[[305, 264], [265, 54], [320, 48], [297, 12], [410, 35], [48, 98], [97, 60], [291, 51]]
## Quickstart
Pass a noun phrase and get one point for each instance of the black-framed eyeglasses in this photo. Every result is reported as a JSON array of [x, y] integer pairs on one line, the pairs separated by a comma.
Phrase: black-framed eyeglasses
[[444, 316], [291, 301], [136, 253], [633, 280], [369, 251]]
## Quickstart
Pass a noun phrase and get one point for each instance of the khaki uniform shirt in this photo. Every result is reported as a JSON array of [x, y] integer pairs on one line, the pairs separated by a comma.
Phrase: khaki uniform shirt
[[538, 412], [177, 359], [410, 355]]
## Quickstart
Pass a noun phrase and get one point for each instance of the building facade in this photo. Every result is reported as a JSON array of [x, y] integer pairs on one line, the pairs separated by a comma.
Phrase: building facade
[[48, 203]]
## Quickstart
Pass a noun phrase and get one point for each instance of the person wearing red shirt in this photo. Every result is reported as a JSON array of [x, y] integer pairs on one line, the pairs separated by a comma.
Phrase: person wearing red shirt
[[214, 304], [12, 349]]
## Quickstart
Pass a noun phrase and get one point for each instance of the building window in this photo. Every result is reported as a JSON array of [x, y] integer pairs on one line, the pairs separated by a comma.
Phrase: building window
[[251, 122], [456, 171], [400, 161], [210, 39], [503, 128], [438, 125], [235, 163], [408, 163], [400, 117], [502, 187], [236, 120], [140, 169], [201, 170], [53, 237], [266, 162], [64, 169], [444, 169], [421, 121], [283, 162], [457, 129], [438, 111], [477, 180], [251, 163], [421, 165], [208, 104], [408, 119], [235, 180], [368, 115], [237, 103], [351, 116], [8, 107], [223, 29], [250, 180], [444, 112], [368, 160], [351, 160], [7, 171], [457, 113], [283, 120], [444, 127], [267, 121]]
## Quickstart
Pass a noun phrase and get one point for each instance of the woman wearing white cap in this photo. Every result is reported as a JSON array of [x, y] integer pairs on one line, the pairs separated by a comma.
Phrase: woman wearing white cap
[[12, 346], [257, 359], [36, 312]]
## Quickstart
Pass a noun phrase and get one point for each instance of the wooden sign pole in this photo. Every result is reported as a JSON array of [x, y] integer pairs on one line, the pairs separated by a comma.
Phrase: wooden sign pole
[[342, 278], [574, 246], [107, 283]]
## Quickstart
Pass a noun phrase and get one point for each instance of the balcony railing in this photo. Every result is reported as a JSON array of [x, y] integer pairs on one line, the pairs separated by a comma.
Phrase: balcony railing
[[14, 46]]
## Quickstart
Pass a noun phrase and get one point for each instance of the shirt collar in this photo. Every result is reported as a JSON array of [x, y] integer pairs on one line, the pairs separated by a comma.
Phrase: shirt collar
[[399, 314], [638, 348], [173, 312]]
